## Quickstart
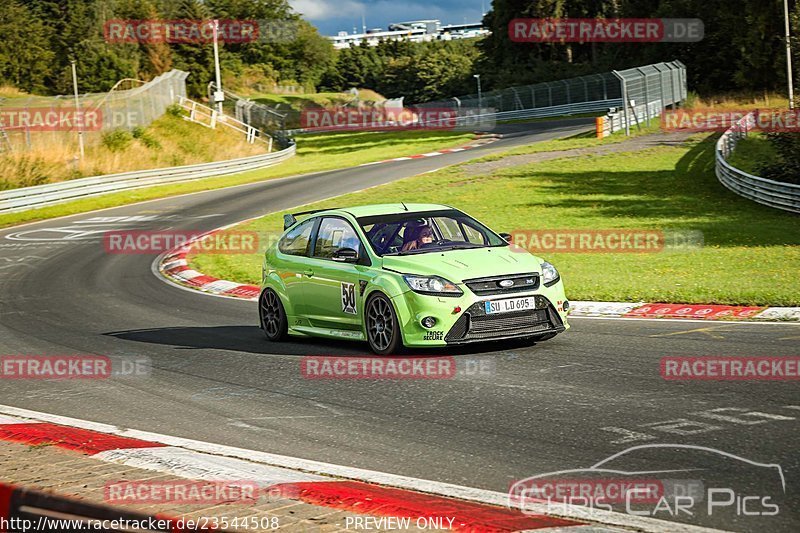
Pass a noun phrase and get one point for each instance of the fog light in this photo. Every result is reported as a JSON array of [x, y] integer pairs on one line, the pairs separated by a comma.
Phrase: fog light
[[566, 306], [428, 322]]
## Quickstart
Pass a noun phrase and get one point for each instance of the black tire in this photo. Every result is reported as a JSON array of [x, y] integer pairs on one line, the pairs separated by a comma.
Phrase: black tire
[[383, 329], [272, 316]]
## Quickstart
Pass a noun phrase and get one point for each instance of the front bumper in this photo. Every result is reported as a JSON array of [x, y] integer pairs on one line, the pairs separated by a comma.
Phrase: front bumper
[[471, 323], [474, 325]]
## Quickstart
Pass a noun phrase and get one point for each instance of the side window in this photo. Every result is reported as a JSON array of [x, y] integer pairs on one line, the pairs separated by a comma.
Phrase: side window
[[473, 235], [296, 241], [335, 234], [379, 236], [449, 229]]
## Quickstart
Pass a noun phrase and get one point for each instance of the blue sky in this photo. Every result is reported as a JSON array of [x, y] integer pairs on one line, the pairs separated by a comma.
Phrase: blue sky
[[331, 16]]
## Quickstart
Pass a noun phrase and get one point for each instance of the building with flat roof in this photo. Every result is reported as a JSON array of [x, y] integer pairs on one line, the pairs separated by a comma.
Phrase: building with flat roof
[[413, 30]]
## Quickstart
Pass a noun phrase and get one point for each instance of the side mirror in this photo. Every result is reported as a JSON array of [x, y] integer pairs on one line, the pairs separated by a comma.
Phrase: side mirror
[[288, 221], [507, 237], [345, 255]]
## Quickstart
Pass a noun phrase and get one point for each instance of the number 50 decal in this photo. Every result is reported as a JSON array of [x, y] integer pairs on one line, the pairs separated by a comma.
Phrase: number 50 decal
[[349, 298]]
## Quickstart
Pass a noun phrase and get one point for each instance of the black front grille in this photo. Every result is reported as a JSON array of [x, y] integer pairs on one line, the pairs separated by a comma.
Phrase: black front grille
[[503, 284], [475, 324]]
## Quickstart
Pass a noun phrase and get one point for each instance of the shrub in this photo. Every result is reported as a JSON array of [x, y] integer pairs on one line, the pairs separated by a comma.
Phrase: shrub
[[175, 110], [144, 137], [117, 140], [786, 167]]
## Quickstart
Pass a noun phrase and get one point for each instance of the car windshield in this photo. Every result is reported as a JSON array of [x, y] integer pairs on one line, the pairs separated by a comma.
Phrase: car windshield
[[426, 231]]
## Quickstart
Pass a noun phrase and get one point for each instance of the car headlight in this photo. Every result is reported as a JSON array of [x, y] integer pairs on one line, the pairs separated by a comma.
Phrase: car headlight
[[433, 285], [550, 275]]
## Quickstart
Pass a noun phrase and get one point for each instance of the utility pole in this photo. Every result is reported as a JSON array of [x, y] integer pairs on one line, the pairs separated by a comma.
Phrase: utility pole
[[480, 99], [78, 116], [788, 54], [219, 94]]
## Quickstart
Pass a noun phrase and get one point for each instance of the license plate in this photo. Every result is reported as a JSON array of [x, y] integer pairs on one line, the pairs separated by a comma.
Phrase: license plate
[[512, 304]]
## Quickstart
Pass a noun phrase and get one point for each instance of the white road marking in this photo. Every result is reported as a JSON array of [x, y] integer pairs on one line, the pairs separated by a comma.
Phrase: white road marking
[[193, 465]]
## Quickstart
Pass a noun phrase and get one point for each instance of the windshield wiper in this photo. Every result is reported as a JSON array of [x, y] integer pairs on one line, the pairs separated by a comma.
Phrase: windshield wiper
[[461, 246]]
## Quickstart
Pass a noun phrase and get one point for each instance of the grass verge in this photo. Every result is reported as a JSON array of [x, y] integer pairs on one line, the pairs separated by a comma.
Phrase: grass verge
[[168, 141], [752, 152], [582, 140], [746, 260], [315, 153]]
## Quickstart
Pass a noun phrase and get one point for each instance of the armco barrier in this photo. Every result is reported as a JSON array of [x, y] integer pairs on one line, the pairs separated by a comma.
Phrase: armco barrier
[[486, 120], [780, 195], [25, 198], [29, 510], [637, 115]]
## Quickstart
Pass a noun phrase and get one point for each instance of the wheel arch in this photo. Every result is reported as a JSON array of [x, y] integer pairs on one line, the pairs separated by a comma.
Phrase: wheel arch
[[378, 290], [275, 282]]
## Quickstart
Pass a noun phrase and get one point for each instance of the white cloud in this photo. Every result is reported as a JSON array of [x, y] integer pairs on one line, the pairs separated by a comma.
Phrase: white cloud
[[334, 15], [327, 9]]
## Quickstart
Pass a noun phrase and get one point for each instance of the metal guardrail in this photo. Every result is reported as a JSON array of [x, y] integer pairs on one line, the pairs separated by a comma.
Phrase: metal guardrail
[[636, 116], [661, 83], [486, 120], [26, 198], [780, 195], [552, 111]]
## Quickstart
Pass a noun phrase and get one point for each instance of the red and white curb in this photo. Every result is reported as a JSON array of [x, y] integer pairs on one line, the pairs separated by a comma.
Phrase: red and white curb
[[174, 266], [322, 484], [684, 311], [481, 141]]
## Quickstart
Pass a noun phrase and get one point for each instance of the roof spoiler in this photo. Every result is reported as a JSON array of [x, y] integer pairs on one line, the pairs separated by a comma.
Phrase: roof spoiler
[[290, 219]]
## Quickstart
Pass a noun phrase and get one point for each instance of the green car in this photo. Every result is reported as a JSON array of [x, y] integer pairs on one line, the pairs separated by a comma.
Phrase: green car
[[414, 275]]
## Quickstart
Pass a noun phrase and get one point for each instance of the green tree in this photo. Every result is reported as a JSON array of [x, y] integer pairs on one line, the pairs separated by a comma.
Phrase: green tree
[[25, 54]]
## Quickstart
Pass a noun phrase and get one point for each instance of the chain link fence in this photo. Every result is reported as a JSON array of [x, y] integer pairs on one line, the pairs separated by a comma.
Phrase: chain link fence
[[39, 122], [663, 84], [651, 88], [266, 119]]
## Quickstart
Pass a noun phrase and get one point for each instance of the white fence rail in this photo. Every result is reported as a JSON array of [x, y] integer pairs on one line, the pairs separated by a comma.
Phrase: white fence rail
[[26, 198], [210, 117], [637, 115], [780, 195]]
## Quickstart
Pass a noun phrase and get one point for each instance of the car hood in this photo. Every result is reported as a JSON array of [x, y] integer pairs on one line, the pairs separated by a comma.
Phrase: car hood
[[458, 265]]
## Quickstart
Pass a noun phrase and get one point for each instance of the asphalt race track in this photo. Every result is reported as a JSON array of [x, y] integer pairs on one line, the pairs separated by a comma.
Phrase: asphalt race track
[[567, 403]]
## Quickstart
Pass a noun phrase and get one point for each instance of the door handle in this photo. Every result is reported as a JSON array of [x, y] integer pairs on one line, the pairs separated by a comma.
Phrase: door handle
[[308, 272]]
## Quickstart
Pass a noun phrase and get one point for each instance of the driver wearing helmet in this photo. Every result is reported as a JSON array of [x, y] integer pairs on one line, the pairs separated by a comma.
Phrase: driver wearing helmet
[[422, 236]]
